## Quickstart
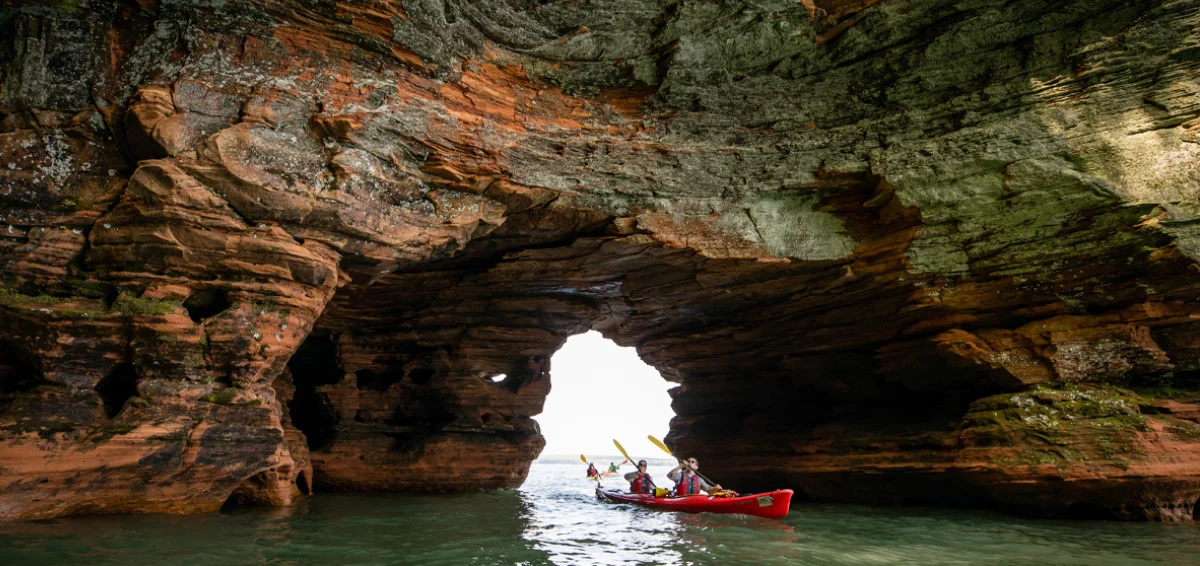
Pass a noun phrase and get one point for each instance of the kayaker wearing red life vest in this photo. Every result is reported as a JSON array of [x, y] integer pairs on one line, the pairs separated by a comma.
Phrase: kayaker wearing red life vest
[[639, 481], [592, 471], [687, 481]]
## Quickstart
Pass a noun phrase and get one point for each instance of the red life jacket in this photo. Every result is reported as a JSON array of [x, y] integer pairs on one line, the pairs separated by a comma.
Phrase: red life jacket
[[686, 485], [640, 484]]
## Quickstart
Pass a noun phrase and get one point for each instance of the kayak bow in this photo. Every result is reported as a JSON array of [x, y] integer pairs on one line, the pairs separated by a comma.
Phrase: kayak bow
[[772, 505]]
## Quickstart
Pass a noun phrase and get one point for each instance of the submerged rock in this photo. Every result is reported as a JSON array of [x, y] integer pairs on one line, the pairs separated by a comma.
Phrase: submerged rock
[[893, 252]]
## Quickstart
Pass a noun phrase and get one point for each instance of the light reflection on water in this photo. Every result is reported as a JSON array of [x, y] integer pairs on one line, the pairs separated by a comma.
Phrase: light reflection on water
[[555, 519]]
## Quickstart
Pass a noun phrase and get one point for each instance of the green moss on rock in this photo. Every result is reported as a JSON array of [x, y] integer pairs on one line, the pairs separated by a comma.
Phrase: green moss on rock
[[221, 396], [10, 297], [1061, 425], [130, 305], [89, 288], [110, 430]]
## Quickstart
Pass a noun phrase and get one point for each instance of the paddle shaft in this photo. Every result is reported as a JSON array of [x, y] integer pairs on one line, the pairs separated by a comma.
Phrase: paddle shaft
[[664, 448], [627, 457]]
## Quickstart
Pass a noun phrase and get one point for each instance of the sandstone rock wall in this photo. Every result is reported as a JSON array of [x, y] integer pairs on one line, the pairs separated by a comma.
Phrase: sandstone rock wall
[[892, 251]]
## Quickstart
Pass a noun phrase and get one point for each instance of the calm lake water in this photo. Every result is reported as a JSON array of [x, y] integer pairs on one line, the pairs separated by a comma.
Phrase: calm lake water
[[555, 519]]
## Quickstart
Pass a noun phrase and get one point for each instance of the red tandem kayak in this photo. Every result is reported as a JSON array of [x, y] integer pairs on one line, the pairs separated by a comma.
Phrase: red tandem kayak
[[772, 505]]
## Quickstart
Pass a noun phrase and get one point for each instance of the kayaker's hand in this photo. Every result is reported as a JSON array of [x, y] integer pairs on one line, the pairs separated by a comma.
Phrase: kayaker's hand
[[718, 487]]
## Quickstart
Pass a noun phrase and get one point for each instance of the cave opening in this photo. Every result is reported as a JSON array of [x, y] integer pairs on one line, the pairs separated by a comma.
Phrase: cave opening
[[601, 392], [304, 483], [16, 374], [314, 368], [117, 388]]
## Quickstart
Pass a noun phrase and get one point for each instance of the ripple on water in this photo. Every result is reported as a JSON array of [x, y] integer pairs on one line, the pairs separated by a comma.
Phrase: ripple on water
[[555, 519]]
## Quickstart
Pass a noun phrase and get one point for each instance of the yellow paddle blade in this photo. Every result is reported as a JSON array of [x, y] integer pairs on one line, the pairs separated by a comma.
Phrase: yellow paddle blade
[[659, 444], [622, 449], [582, 457]]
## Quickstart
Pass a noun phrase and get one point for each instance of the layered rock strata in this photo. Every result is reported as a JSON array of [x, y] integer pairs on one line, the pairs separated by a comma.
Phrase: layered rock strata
[[892, 251]]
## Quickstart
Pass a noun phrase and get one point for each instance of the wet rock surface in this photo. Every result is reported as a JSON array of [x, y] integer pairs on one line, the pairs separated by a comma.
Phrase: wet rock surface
[[892, 251]]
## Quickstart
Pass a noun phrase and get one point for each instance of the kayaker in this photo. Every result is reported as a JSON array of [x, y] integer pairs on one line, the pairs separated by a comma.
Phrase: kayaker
[[612, 467], [639, 481], [592, 471], [687, 481]]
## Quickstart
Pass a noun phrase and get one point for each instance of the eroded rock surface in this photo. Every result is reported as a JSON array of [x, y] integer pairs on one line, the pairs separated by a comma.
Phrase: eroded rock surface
[[892, 251]]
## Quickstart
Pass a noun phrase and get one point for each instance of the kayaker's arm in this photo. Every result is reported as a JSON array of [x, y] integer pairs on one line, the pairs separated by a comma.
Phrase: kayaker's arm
[[709, 488], [631, 476]]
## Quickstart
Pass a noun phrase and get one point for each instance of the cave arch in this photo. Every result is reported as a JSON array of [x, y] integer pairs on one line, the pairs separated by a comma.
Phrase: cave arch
[[274, 486], [756, 363]]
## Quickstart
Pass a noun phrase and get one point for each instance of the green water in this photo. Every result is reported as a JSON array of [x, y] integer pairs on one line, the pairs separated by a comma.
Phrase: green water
[[555, 519]]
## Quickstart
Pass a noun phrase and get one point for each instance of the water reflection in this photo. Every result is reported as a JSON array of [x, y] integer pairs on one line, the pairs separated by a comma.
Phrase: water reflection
[[555, 519]]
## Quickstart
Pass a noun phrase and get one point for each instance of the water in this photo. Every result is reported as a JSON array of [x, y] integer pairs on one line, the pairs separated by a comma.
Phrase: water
[[555, 519]]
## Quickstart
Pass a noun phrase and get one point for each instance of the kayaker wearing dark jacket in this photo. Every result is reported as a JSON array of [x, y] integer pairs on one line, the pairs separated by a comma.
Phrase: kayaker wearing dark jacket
[[687, 481], [639, 481]]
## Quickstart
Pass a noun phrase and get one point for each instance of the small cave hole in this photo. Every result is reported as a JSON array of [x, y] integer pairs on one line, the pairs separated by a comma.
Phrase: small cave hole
[[421, 376], [373, 380], [206, 303], [116, 388]]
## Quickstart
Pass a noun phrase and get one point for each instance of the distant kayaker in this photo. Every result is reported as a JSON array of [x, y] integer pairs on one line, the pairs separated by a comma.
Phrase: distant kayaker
[[639, 481], [612, 467], [687, 481], [592, 471]]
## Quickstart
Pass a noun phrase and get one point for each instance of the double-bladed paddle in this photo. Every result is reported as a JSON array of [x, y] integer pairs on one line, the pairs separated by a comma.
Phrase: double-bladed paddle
[[630, 458], [595, 477], [664, 448]]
